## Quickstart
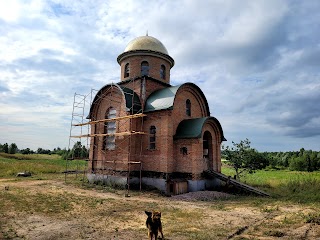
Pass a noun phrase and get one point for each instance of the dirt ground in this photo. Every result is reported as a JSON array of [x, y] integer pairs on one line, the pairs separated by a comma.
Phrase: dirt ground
[[64, 211]]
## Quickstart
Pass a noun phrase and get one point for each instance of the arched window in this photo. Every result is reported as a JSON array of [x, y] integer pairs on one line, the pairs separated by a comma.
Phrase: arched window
[[144, 68], [126, 70], [109, 141], [188, 107], [163, 72], [152, 139]]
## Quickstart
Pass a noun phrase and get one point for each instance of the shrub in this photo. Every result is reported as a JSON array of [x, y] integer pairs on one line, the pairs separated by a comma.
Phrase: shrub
[[298, 164]]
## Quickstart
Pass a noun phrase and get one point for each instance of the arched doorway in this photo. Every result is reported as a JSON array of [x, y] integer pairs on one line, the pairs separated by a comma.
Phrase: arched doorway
[[207, 149]]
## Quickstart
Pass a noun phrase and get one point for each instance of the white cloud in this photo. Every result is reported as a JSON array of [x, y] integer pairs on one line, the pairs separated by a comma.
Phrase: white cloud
[[10, 10], [256, 61]]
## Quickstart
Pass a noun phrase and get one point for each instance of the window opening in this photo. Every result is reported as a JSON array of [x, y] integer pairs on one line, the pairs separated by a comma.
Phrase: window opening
[[184, 150], [144, 68], [207, 149], [152, 140], [207, 139], [126, 70], [171, 187], [188, 107], [110, 128], [163, 72]]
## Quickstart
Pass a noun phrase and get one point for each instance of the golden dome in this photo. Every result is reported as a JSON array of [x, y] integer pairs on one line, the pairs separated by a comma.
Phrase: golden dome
[[146, 43]]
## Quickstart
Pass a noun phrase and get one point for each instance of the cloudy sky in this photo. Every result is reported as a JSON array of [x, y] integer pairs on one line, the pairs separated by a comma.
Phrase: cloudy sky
[[257, 62]]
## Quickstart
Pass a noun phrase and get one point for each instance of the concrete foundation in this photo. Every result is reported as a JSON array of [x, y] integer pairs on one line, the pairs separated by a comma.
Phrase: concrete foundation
[[160, 184]]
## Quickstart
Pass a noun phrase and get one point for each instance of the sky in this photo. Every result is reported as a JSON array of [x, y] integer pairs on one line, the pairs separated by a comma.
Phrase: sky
[[257, 62]]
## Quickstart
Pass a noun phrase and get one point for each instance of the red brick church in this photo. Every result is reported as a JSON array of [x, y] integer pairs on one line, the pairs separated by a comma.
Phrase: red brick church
[[144, 130]]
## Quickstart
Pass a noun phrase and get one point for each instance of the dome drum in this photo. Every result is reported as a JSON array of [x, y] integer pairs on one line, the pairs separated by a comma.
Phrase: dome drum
[[146, 45], [125, 55]]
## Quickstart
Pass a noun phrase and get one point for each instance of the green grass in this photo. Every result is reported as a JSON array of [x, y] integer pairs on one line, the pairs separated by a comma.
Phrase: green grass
[[301, 187], [40, 165], [286, 187], [39, 202], [19, 156]]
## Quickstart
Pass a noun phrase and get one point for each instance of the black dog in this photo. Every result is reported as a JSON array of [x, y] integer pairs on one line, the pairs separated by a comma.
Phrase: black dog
[[154, 224]]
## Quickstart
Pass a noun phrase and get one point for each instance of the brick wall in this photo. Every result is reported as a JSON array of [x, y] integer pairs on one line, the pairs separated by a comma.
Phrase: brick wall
[[167, 156], [157, 159], [154, 67], [111, 98], [143, 87], [179, 108]]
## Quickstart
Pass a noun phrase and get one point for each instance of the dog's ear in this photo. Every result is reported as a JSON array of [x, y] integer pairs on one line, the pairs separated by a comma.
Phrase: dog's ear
[[160, 214], [148, 213]]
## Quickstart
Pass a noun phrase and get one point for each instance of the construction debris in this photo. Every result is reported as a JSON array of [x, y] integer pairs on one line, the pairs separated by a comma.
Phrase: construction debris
[[24, 174]]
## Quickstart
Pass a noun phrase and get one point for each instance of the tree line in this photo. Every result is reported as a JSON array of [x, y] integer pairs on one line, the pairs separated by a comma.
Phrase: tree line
[[78, 150], [303, 160], [240, 156]]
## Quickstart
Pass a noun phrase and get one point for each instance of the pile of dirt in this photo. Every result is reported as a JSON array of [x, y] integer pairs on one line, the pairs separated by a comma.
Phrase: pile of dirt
[[202, 196]]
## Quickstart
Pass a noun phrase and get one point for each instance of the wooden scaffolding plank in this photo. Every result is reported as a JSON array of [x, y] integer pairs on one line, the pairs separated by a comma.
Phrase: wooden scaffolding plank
[[117, 161], [108, 134], [112, 119], [214, 174]]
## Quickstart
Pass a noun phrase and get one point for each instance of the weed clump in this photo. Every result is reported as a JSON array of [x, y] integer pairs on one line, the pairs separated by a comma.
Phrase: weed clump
[[301, 190], [313, 218], [274, 233]]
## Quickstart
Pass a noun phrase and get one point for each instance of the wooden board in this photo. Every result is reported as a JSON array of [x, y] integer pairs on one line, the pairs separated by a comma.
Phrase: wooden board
[[108, 134], [112, 119]]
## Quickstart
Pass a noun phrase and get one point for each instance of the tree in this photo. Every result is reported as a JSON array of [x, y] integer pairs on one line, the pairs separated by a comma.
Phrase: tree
[[79, 151], [43, 151], [5, 148], [26, 151], [298, 164], [245, 159], [13, 148], [309, 165]]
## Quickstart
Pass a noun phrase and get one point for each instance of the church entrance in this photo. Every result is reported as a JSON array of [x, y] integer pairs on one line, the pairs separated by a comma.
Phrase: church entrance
[[207, 149]]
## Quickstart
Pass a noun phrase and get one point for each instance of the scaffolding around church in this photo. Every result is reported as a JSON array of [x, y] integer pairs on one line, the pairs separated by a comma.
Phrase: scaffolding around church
[[80, 129], [74, 161]]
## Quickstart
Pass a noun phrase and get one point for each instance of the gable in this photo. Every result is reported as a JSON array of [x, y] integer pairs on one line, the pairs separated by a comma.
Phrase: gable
[[132, 100], [163, 99]]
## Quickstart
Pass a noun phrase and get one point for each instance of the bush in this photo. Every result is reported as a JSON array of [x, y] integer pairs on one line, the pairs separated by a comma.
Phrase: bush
[[298, 164]]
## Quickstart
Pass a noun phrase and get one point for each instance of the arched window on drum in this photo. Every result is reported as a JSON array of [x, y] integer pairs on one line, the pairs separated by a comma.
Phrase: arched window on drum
[[126, 70], [144, 68], [163, 72]]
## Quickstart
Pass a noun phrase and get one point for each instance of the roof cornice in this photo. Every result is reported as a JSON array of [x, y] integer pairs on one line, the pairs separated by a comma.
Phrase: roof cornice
[[125, 55]]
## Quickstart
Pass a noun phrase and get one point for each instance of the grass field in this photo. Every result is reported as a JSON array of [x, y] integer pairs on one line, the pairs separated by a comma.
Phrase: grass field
[[40, 165], [43, 206], [284, 184]]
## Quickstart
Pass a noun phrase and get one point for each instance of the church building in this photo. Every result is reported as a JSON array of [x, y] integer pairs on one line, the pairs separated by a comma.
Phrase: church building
[[146, 131]]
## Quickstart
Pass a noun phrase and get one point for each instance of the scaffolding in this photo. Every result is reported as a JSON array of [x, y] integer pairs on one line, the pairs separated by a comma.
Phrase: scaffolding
[[73, 162], [126, 132]]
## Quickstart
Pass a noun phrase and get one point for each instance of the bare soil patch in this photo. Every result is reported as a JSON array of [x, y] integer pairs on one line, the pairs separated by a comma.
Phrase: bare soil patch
[[51, 209]]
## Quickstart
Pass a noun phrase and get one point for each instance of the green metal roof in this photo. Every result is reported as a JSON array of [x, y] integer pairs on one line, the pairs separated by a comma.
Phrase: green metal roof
[[192, 128], [161, 99]]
